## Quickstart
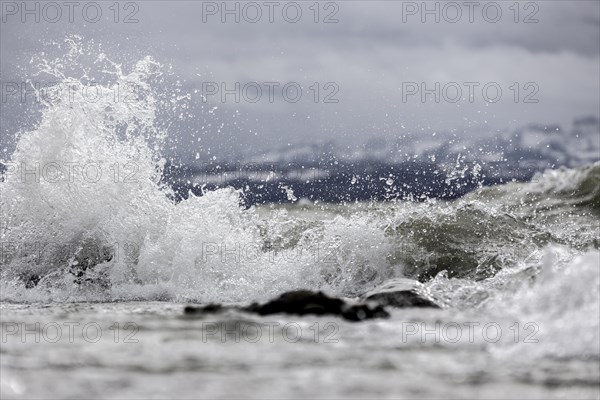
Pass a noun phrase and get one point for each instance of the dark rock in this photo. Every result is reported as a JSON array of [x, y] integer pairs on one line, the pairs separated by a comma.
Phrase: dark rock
[[207, 309], [302, 302], [89, 255], [401, 293], [32, 281]]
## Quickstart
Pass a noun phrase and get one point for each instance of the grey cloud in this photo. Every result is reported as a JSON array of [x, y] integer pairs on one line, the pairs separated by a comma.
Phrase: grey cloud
[[369, 54]]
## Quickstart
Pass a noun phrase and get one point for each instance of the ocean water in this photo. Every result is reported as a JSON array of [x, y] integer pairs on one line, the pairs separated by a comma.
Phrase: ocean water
[[98, 262]]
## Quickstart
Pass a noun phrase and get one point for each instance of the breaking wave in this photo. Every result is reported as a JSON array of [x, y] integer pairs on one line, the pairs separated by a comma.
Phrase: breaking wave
[[87, 218]]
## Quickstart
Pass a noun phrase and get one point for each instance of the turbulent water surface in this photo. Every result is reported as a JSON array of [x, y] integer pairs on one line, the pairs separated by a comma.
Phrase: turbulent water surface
[[103, 261]]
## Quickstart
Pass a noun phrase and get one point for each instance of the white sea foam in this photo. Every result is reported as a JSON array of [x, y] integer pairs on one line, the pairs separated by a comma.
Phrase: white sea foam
[[109, 230]]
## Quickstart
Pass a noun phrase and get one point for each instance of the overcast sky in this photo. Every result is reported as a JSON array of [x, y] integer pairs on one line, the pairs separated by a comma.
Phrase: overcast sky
[[373, 55]]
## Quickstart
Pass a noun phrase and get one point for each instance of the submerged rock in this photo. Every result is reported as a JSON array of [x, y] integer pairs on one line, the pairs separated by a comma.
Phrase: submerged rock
[[401, 293], [31, 281], [83, 261], [207, 309], [302, 302], [90, 254]]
